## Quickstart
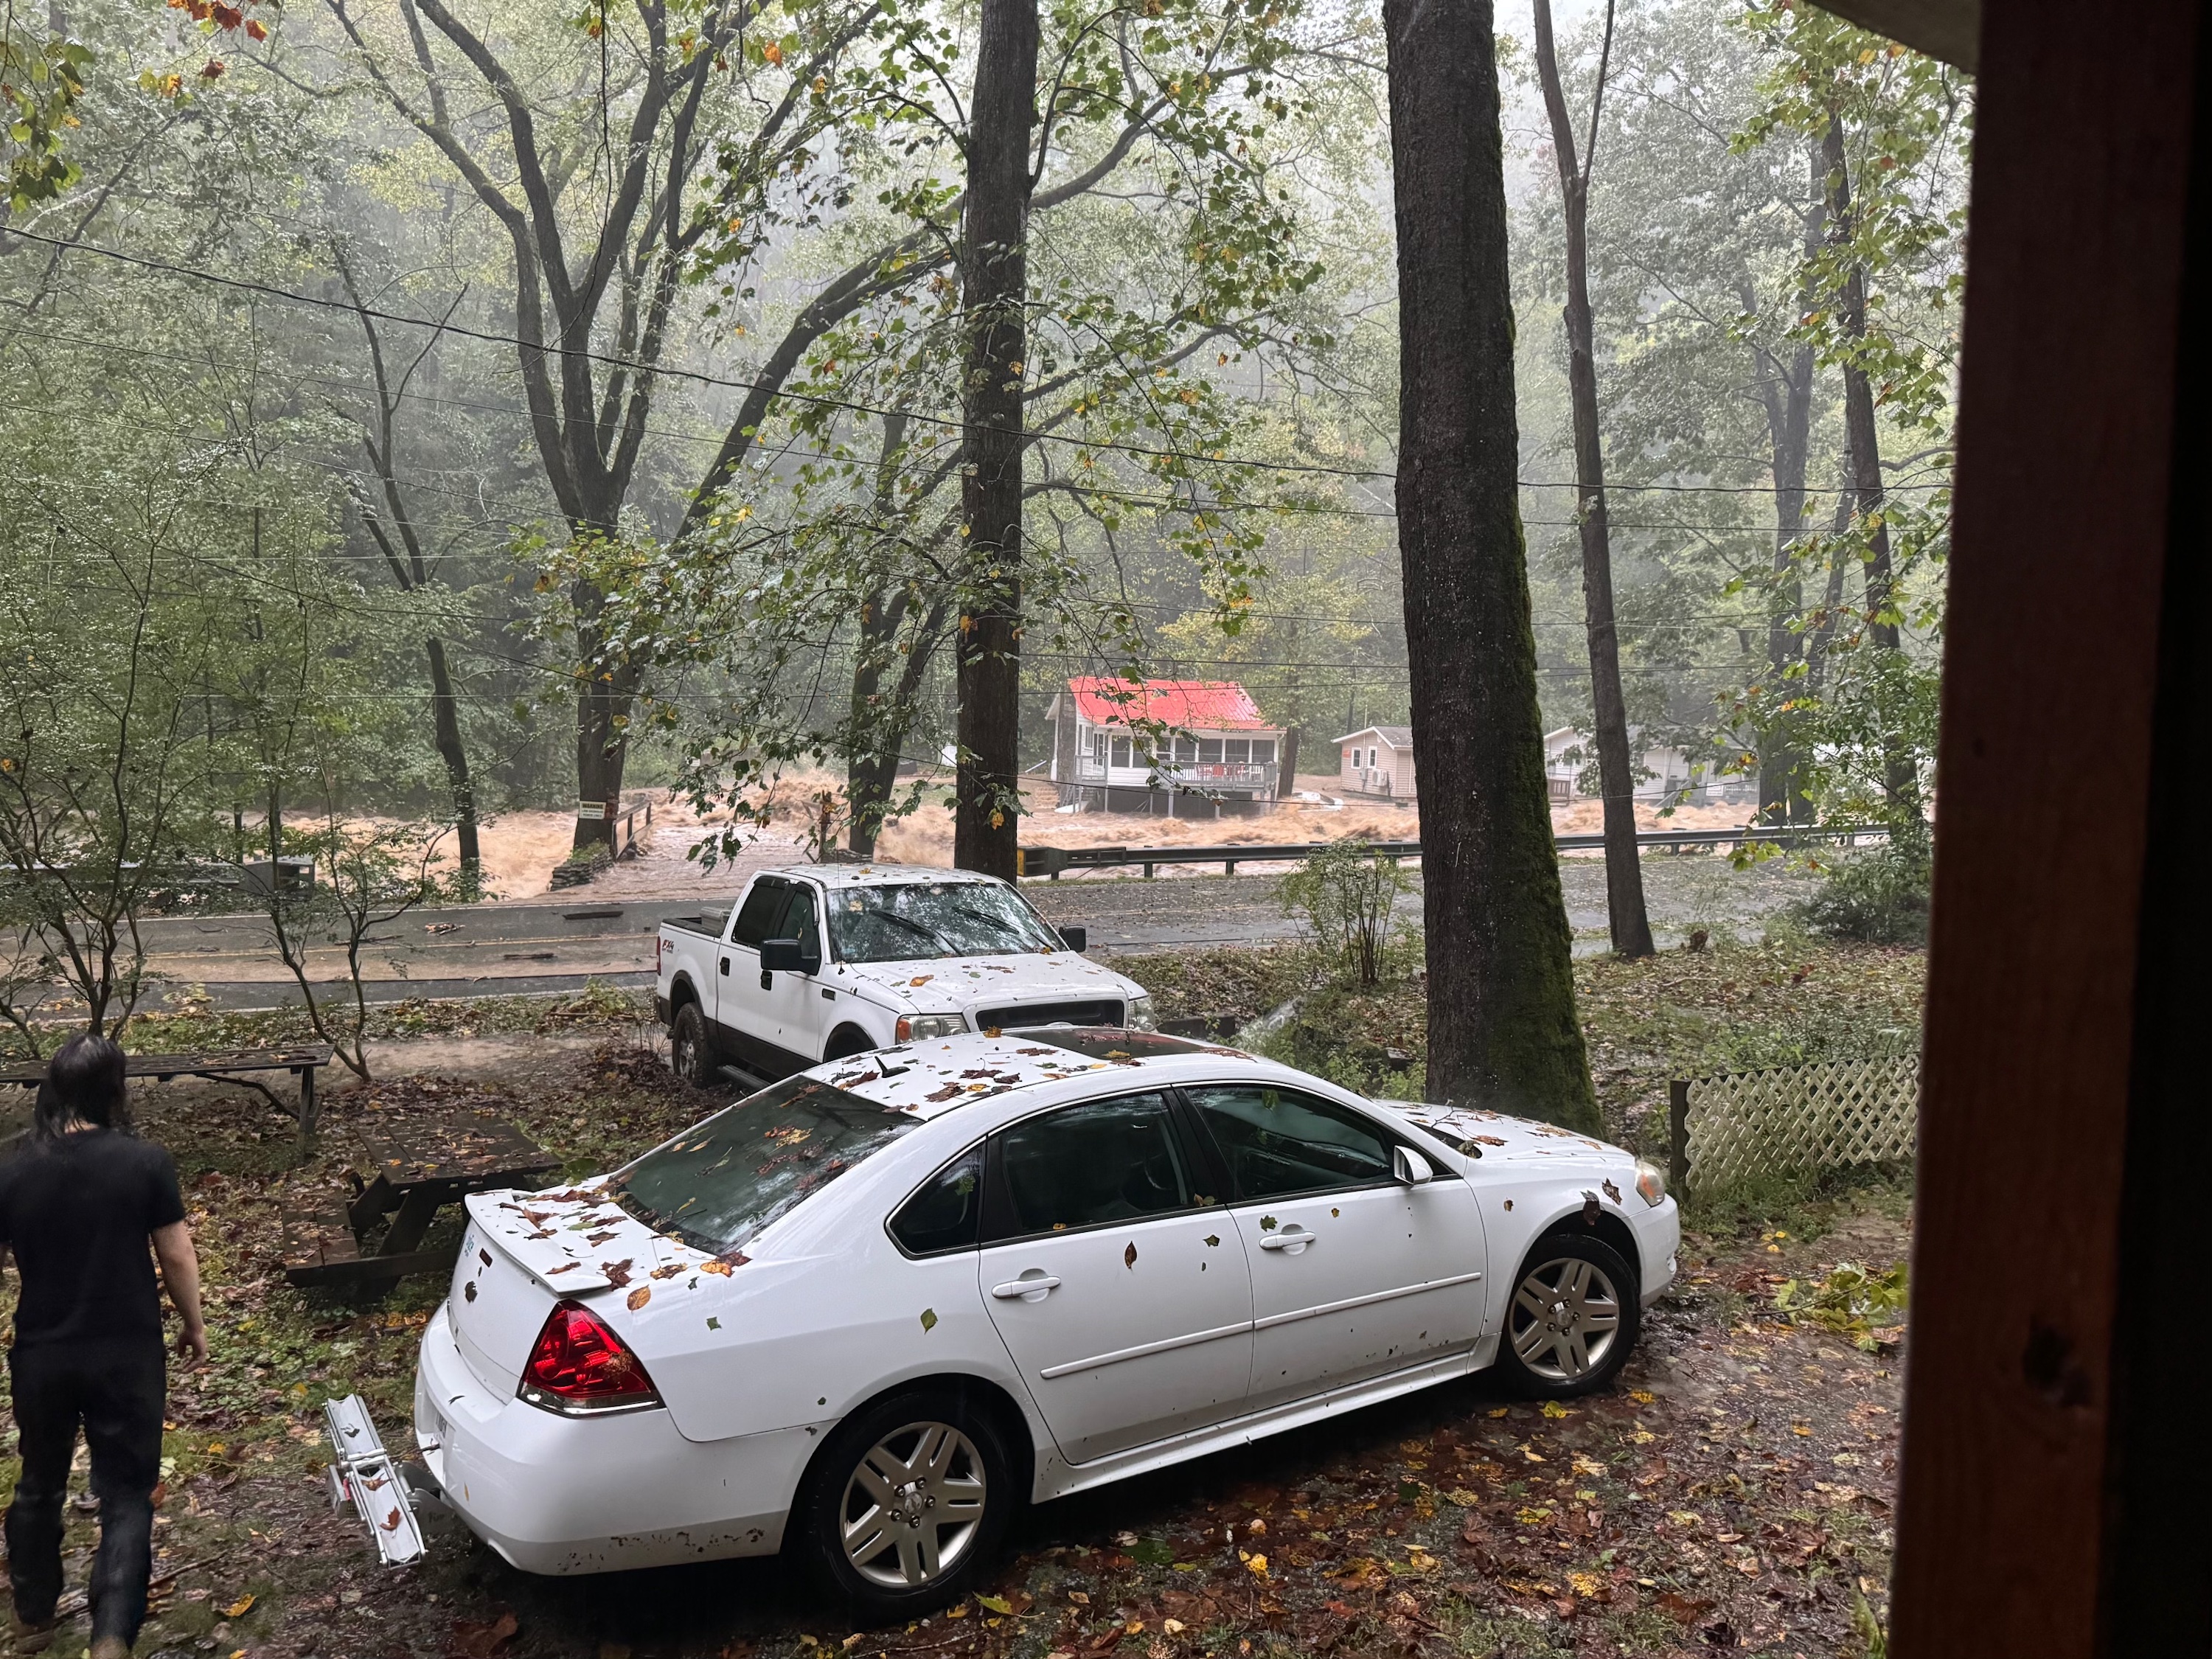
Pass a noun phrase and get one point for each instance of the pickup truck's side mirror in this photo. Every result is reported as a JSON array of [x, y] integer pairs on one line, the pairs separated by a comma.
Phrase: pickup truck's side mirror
[[788, 956], [1075, 939]]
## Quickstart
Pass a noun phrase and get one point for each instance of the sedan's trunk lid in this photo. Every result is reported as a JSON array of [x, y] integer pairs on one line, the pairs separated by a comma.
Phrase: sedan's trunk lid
[[524, 1252]]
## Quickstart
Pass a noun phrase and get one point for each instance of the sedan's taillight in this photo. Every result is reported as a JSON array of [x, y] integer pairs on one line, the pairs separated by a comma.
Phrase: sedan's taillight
[[578, 1366]]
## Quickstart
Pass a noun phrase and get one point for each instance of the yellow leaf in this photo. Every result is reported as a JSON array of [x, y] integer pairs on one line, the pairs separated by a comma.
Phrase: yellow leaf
[[1500, 1411], [1553, 1408], [240, 1608], [773, 52], [1642, 1398], [1257, 1563], [996, 1603]]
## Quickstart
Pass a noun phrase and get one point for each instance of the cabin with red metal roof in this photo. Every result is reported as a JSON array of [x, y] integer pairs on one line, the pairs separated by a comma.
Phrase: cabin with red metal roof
[[1178, 748]]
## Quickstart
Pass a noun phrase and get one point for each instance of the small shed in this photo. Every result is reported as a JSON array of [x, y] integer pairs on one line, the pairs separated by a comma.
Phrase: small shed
[[1218, 756], [1377, 760]]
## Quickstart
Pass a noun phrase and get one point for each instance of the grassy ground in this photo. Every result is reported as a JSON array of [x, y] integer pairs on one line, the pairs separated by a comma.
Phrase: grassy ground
[[1729, 1007], [1732, 1491]]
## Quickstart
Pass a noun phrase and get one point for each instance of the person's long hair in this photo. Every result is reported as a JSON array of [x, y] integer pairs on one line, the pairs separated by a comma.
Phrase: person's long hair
[[84, 1085]]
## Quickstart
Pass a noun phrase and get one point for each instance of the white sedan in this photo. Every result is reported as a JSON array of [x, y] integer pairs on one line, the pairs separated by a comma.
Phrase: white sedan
[[866, 1313]]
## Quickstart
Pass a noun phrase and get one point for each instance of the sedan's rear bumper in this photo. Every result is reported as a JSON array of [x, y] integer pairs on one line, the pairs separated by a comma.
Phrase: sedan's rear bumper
[[557, 1494]]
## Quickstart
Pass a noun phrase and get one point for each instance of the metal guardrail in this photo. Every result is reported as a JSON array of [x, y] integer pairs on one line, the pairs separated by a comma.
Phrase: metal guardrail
[[1051, 861]]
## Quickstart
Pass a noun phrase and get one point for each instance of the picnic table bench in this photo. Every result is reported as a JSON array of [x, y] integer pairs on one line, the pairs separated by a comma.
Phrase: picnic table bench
[[416, 1167], [302, 1060]]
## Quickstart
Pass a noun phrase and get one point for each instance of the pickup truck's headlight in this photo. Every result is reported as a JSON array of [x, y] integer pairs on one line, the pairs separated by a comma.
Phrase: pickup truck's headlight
[[1650, 1181], [923, 1028], [1137, 1017]]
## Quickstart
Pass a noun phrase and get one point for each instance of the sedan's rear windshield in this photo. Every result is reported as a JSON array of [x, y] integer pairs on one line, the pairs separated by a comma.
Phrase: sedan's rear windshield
[[720, 1182], [915, 920]]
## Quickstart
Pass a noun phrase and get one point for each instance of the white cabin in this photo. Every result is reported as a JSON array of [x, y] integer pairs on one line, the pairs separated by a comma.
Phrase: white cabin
[[1204, 749]]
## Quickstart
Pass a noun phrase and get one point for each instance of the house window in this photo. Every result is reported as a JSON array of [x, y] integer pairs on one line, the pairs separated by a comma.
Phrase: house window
[[1237, 751], [1121, 752], [1209, 752], [1098, 748], [1263, 751], [1186, 748]]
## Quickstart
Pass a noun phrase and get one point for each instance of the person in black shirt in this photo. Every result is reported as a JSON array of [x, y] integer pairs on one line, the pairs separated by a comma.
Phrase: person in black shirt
[[79, 1207]]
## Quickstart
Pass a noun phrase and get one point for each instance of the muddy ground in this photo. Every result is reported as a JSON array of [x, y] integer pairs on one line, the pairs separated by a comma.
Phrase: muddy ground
[[1732, 1492]]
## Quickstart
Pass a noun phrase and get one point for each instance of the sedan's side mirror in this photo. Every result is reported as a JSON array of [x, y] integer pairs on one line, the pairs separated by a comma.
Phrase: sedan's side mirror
[[1077, 939], [1409, 1168], [783, 956]]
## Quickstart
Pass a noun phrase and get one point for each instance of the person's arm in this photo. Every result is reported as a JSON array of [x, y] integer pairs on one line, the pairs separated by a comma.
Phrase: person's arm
[[180, 1272]]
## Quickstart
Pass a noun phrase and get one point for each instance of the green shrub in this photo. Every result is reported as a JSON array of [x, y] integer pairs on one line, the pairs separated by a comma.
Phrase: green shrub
[[1347, 895], [1878, 896]]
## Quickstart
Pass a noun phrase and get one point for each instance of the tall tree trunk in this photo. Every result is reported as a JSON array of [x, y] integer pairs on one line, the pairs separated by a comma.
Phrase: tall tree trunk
[[879, 726], [446, 733], [1631, 923], [987, 805], [1502, 1026], [1785, 389], [1900, 782], [603, 704]]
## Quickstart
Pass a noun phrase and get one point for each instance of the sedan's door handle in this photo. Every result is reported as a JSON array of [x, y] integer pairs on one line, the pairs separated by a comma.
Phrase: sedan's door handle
[[1293, 1237], [1025, 1287]]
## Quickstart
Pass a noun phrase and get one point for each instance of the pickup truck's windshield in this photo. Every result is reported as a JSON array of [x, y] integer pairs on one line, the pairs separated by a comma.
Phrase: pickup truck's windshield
[[719, 1182], [914, 921]]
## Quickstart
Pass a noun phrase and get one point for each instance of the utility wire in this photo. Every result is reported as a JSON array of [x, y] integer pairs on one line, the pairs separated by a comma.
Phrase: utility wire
[[850, 406]]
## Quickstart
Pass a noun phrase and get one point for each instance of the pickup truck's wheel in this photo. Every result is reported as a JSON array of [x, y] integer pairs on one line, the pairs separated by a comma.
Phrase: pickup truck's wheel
[[907, 1503], [1573, 1319], [847, 1040], [690, 1054]]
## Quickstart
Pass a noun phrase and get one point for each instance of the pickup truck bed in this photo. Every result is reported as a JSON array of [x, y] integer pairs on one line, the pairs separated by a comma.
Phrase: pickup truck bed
[[710, 924]]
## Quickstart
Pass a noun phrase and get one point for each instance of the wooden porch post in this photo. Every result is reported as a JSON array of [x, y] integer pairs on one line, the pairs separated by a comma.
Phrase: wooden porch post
[[2056, 1462]]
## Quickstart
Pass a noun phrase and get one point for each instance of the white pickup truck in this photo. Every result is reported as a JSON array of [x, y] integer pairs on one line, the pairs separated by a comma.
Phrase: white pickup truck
[[820, 961]]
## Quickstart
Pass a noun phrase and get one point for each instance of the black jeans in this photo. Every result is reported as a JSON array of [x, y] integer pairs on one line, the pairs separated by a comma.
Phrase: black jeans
[[118, 1398]]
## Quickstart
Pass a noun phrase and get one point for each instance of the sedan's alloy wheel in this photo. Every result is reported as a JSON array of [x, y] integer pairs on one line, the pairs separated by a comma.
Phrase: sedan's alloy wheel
[[913, 1506], [1566, 1317]]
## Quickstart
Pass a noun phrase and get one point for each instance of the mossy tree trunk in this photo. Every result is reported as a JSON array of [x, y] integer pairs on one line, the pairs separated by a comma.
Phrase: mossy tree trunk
[[1502, 1026]]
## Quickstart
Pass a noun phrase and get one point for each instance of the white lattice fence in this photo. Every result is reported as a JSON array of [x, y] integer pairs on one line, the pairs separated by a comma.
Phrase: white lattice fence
[[1797, 1118]]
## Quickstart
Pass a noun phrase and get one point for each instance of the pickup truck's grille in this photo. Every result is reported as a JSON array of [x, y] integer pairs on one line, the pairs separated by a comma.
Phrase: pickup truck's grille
[[1098, 1011]]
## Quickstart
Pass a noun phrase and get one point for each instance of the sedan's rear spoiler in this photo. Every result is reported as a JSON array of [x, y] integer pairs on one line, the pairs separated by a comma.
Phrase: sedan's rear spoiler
[[537, 1234]]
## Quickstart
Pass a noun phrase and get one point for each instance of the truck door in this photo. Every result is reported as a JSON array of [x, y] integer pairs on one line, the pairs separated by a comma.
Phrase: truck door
[[794, 1001], [743, 1023]]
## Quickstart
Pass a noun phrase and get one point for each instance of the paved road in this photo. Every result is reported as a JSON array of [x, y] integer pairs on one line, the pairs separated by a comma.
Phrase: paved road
[[554, 946]]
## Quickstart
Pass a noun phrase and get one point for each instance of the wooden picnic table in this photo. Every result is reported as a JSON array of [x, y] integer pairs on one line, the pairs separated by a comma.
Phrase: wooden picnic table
[[414, 1166], [302, 1060]]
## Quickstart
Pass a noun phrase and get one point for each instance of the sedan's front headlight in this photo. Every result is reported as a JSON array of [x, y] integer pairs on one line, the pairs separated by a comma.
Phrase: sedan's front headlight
[[927, 1028], [1650, 1181], [1138, 1015]]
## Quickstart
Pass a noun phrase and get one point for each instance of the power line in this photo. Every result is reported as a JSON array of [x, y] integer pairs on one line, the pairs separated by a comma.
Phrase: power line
[[849, 405]]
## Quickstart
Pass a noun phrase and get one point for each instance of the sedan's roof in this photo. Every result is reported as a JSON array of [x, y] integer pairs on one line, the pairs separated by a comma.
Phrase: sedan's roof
[[932, 1078]]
